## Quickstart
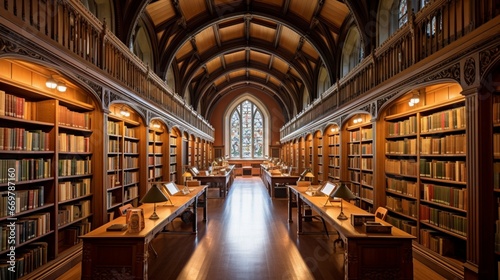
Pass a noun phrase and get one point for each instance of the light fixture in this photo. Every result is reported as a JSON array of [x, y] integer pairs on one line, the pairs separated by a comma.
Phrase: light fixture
[[357, 120], [156, 125], [343, 192], [61, 87], [307, 173], [124, 112], [187, 176], [415, 98], [154, 195], [51, 83]]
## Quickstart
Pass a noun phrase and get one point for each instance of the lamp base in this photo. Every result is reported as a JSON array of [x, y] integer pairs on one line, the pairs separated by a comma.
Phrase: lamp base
[[342, 216], [154, 216]]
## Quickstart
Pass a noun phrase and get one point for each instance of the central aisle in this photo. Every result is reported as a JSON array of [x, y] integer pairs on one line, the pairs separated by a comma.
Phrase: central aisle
[[247, 237]]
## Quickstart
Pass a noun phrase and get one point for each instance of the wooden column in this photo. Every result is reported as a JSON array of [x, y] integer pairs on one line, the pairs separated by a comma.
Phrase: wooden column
[[481, 202]]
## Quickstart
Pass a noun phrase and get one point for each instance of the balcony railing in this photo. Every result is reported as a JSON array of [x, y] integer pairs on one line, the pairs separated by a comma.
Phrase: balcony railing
[[428, 31], [77, 31]]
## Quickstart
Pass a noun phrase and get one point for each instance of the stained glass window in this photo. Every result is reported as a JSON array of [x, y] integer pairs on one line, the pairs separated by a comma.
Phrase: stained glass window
[[403, 12], [247, 131]]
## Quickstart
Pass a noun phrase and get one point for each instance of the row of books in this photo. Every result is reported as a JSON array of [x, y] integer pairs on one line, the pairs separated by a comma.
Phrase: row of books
[[73, 189], [25, 200], [334, 150], [334, 161], [444, 219], [130, 178], [74, 166], [131, 147], [401, 205], [17, 107], [449, 144], [114, 146], [405, 225], [455, 197], [446, 170], [27, 259], [155, 160], [131, 192], [130, 132], [20, 139], [404, 127], [334, 139], [444, 120], [402, 147], [403, 167], [154, 137], [131, 162], [154, 149], [437, 242], [173, 140], [367, 179], [73, 119], [25, 169], [496, 144], [408, 188], [73, 143], [113, 128], [363, 134], [69, 213], [25, 229], [69, 236], [155, 172]]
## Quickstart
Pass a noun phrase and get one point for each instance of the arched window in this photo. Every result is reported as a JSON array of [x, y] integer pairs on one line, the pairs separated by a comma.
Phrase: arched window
[[246, 131]]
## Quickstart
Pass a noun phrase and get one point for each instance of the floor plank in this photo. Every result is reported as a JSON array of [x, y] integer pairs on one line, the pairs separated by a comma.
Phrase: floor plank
[[247, 236]]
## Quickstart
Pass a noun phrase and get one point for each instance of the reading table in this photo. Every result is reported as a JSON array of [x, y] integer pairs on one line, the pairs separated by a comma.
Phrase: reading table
[[367, 255], [124, 255]]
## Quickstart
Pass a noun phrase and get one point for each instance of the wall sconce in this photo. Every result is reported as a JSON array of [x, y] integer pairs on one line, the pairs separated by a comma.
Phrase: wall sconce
[[334, 129], [61, 87], [414, 99], [124, 112], [156, 125], [357, 120], [52, 84]]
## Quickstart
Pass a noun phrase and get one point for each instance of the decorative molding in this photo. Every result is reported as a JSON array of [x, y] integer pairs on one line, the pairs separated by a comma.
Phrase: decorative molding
[[452, 72], [486, 57], [470, 71], [7, 46]]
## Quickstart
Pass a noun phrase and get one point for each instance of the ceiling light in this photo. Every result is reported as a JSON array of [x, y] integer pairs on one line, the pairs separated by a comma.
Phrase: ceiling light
[[156, 125], [124, 112]]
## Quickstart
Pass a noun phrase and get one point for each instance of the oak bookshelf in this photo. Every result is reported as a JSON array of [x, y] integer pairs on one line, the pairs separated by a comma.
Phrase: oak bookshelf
[[124, 149], [157, 151], [425, 184], [47, 162], [359, 145], [333, 144]]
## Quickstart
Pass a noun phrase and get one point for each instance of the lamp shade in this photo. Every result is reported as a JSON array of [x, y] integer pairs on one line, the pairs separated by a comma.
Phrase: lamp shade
[[309, 175], [154, 195], [187, 174], [343, 192]]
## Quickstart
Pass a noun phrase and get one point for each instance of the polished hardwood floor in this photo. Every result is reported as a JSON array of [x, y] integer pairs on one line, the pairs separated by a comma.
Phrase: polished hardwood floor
[[247, 236]]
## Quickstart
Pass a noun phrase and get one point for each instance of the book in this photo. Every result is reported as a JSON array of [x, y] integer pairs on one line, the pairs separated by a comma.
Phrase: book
[[117, 227]]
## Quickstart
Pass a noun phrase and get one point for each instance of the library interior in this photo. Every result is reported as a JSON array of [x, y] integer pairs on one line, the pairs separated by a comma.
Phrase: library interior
[[257, 139]]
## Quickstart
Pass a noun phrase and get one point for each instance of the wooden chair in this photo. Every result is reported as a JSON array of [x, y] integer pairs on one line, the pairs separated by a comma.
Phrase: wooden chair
[[381, 213]]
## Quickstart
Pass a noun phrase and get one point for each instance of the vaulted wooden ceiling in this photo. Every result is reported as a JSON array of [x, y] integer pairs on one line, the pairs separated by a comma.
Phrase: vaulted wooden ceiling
[[217, 46]]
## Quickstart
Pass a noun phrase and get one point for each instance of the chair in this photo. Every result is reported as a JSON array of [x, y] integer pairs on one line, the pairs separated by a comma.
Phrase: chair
[[381, 213]]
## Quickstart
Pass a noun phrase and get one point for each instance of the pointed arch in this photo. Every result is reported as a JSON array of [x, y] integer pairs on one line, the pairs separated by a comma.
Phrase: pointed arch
[[246, 128]]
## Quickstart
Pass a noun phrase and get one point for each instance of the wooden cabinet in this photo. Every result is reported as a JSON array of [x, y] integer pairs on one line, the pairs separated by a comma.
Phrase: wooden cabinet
[[47, 182]]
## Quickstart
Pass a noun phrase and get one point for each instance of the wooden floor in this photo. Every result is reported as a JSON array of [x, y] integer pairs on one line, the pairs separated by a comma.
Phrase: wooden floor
[[247, 236]]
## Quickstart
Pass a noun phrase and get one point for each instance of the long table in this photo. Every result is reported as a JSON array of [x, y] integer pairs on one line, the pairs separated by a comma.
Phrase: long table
[[124, 255], [272, 180], [223, 181], [367, 255]]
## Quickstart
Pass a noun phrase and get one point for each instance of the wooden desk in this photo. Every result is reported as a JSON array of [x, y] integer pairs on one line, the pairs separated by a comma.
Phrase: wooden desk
[[271, 180], [367, 255], [222, 181], [123, 255]]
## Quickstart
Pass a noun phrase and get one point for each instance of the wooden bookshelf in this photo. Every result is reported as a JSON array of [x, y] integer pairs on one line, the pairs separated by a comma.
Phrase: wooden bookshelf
[[157, 151], [175, 155], [47, 145], [125, 140], [359, 145], [333, 150], [424, 168], [318, 157]]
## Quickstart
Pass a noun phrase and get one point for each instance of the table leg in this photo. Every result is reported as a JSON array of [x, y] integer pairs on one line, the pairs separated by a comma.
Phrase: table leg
[[205, 206], [290, 200], [195, 217], [299, 214]]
